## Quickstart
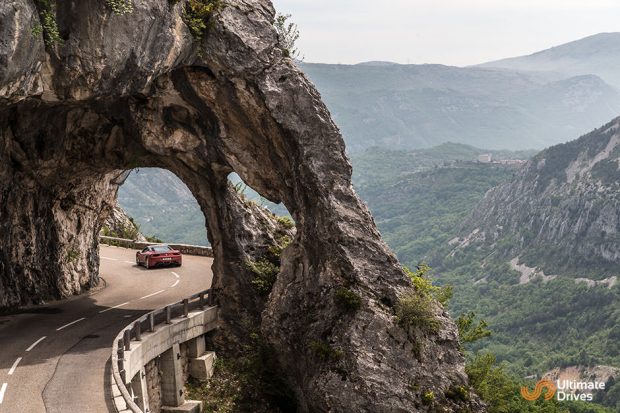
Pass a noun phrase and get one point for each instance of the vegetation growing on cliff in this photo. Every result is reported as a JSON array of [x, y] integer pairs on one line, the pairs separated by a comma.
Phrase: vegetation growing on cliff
[[416, 309], [120, 7], [48, 26], [267, 267], [123, 231], [197, 15], [249, 383], [288, 34], [347, 299]]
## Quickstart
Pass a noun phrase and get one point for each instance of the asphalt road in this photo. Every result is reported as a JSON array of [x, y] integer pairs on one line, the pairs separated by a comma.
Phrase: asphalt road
[[55, 358]]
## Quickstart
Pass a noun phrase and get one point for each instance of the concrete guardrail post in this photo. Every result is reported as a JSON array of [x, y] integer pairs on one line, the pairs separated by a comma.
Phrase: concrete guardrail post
[[138, 330], [172, 378], [127, 340], [140, 391]]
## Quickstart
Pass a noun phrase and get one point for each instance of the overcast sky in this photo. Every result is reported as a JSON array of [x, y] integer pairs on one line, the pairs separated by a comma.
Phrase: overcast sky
[[454, 32]]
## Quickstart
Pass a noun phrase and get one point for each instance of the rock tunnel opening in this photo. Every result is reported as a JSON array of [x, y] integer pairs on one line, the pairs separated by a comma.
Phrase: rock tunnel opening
[[162, 207]]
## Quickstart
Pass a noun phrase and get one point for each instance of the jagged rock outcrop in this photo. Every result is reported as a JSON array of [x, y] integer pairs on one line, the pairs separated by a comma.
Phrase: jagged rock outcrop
[[559, 213], [119, 224], [124, 91]]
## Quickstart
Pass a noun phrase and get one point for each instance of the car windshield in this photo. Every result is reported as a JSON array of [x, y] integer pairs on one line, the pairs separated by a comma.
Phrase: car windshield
[[161, 248]]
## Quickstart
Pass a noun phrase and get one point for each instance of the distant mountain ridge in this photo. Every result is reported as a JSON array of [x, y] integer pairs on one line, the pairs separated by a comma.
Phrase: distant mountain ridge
[[417, 106], [596, 55]]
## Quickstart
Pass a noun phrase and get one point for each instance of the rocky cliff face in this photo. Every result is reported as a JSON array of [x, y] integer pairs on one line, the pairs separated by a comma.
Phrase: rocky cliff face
[[119, 224], [106, 93], [559, 214]]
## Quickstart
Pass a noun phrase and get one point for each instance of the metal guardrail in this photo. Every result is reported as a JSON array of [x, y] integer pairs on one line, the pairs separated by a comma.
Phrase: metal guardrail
[[148, 322]]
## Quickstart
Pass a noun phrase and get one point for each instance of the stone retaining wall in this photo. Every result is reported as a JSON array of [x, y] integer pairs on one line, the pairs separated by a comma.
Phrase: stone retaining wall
[[138, 245]]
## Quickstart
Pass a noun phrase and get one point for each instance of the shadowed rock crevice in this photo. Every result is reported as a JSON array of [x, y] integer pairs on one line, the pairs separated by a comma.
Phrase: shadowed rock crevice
[[137, 90]]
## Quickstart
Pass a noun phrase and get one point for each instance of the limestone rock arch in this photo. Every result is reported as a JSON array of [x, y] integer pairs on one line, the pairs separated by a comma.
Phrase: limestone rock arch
[[138, 90]]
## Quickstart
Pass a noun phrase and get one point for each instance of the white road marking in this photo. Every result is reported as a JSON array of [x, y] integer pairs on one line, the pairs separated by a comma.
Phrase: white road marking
[[175, 274], [14, 366], [35, 343], [71, 323], [130, 262], [112, 308], [150, 295], [110, 259], [2, 391], [175, 283]]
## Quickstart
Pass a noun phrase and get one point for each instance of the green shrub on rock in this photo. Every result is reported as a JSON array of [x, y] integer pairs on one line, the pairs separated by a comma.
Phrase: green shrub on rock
[[48, 26], [347, 299], [417, 311], [197, 15], [120, 7]]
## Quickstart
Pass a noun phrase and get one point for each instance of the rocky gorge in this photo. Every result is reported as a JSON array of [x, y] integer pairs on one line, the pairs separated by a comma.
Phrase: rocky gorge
[[90, 89], [558, 215]]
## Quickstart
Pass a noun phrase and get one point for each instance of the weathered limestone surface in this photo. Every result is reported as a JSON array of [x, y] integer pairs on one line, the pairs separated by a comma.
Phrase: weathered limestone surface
[[560, 210], [137, 90], [118, 223]]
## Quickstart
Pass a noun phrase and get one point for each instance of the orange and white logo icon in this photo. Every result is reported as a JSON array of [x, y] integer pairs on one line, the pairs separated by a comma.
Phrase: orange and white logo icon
[[538, 390]]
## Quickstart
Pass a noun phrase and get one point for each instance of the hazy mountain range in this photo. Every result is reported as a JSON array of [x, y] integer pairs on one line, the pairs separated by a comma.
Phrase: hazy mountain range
[[598, 55], [521, 103]]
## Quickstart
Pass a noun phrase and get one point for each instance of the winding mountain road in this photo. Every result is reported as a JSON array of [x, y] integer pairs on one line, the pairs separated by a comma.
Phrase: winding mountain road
[[55, 358]]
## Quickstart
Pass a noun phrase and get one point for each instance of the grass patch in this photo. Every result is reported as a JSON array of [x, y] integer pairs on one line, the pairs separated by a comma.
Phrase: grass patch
[[428, 397], [286, 222]]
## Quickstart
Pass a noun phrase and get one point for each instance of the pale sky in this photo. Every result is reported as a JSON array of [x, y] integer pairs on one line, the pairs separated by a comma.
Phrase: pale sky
[[453, 32]]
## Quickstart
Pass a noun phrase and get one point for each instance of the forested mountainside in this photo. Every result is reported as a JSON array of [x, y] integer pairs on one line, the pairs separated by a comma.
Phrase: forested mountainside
[[538, 258], [560, 213], [163, 206], [418, 197]]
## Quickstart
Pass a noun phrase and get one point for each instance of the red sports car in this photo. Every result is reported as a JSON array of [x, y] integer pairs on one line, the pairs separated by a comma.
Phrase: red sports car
[[158, 255]]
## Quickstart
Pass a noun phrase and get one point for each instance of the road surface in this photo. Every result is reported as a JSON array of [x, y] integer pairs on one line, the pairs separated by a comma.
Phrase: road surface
[[56, 358]]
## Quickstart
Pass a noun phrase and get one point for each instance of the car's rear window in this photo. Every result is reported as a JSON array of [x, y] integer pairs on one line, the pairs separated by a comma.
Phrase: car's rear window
[[161, 248]]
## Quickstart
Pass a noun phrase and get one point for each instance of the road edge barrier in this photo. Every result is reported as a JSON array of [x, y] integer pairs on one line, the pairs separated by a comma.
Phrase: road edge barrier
[[187, 249], [152, 335]]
